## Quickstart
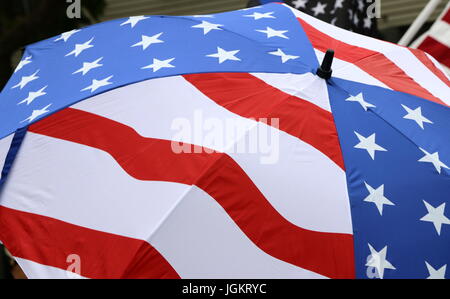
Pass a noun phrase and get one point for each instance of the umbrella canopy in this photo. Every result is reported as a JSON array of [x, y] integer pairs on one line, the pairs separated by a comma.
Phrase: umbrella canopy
[[207, 146]]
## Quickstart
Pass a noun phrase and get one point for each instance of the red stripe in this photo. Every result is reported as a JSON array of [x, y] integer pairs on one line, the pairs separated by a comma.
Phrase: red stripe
[[446, 17], [374, 63], [50, 241], [436, 49], [250, 97], [422, 56], [329, 254]]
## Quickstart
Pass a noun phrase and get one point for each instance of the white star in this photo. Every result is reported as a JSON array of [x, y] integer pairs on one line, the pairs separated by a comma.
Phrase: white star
[[284, 56], [207, 27], [134, 20], [299, 3], [87, 66], [436, 215], [272, 32], [360, 99], [148, 40], [436, 274], [25, 80], [367, 22], [378, 261], [66, 35], [96, 84], [225, 55], [416, 115], [369, 144], [23, 63], [32, 95], [159, 64], [434, 159], [319, 9], [80, 48], [36, 113], [258, 15], [377, 197], [338, 4], [361, 5]]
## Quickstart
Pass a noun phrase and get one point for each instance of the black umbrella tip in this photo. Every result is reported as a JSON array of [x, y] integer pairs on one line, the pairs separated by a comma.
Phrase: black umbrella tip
[[325, 71]]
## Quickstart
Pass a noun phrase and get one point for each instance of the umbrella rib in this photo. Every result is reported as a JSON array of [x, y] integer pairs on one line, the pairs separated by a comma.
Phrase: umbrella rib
[[191, 187]]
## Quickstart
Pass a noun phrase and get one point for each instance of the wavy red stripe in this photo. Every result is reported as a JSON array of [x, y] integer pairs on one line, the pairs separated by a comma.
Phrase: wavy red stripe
[[329, 254], [374, 63], [422, 56], [250, 97], [102, 255]]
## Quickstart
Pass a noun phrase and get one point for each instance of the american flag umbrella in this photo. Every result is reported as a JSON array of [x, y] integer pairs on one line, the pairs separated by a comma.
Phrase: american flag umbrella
[[130, 152]]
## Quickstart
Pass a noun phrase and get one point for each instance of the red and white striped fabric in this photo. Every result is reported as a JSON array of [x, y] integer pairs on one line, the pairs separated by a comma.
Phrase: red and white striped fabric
[[436, 41], [103, 173], [375, 62], [152, 209]]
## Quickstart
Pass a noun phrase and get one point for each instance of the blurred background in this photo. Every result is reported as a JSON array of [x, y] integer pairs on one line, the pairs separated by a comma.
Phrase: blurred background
[[23, 22]]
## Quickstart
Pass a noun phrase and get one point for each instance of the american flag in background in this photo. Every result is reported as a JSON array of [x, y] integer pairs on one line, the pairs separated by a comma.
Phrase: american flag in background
[[347, 14], [436, 41]]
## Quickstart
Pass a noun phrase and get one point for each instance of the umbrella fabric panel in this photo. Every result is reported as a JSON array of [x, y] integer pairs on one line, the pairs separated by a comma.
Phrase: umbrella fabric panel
[[398, 170], [199, 226], [104, 56], [250, 262], [272, 256]]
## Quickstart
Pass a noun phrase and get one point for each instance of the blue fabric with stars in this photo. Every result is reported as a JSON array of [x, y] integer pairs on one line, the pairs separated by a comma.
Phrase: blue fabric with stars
[[397, 230], [184, 49]]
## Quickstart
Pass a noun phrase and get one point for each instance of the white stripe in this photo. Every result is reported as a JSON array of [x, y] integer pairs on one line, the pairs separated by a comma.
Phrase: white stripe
[[412, 66], [441, 32], [151, 106], [348, 71], [305, 86], [38, 271], [5, 144], [400, 56], [198, 238]]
